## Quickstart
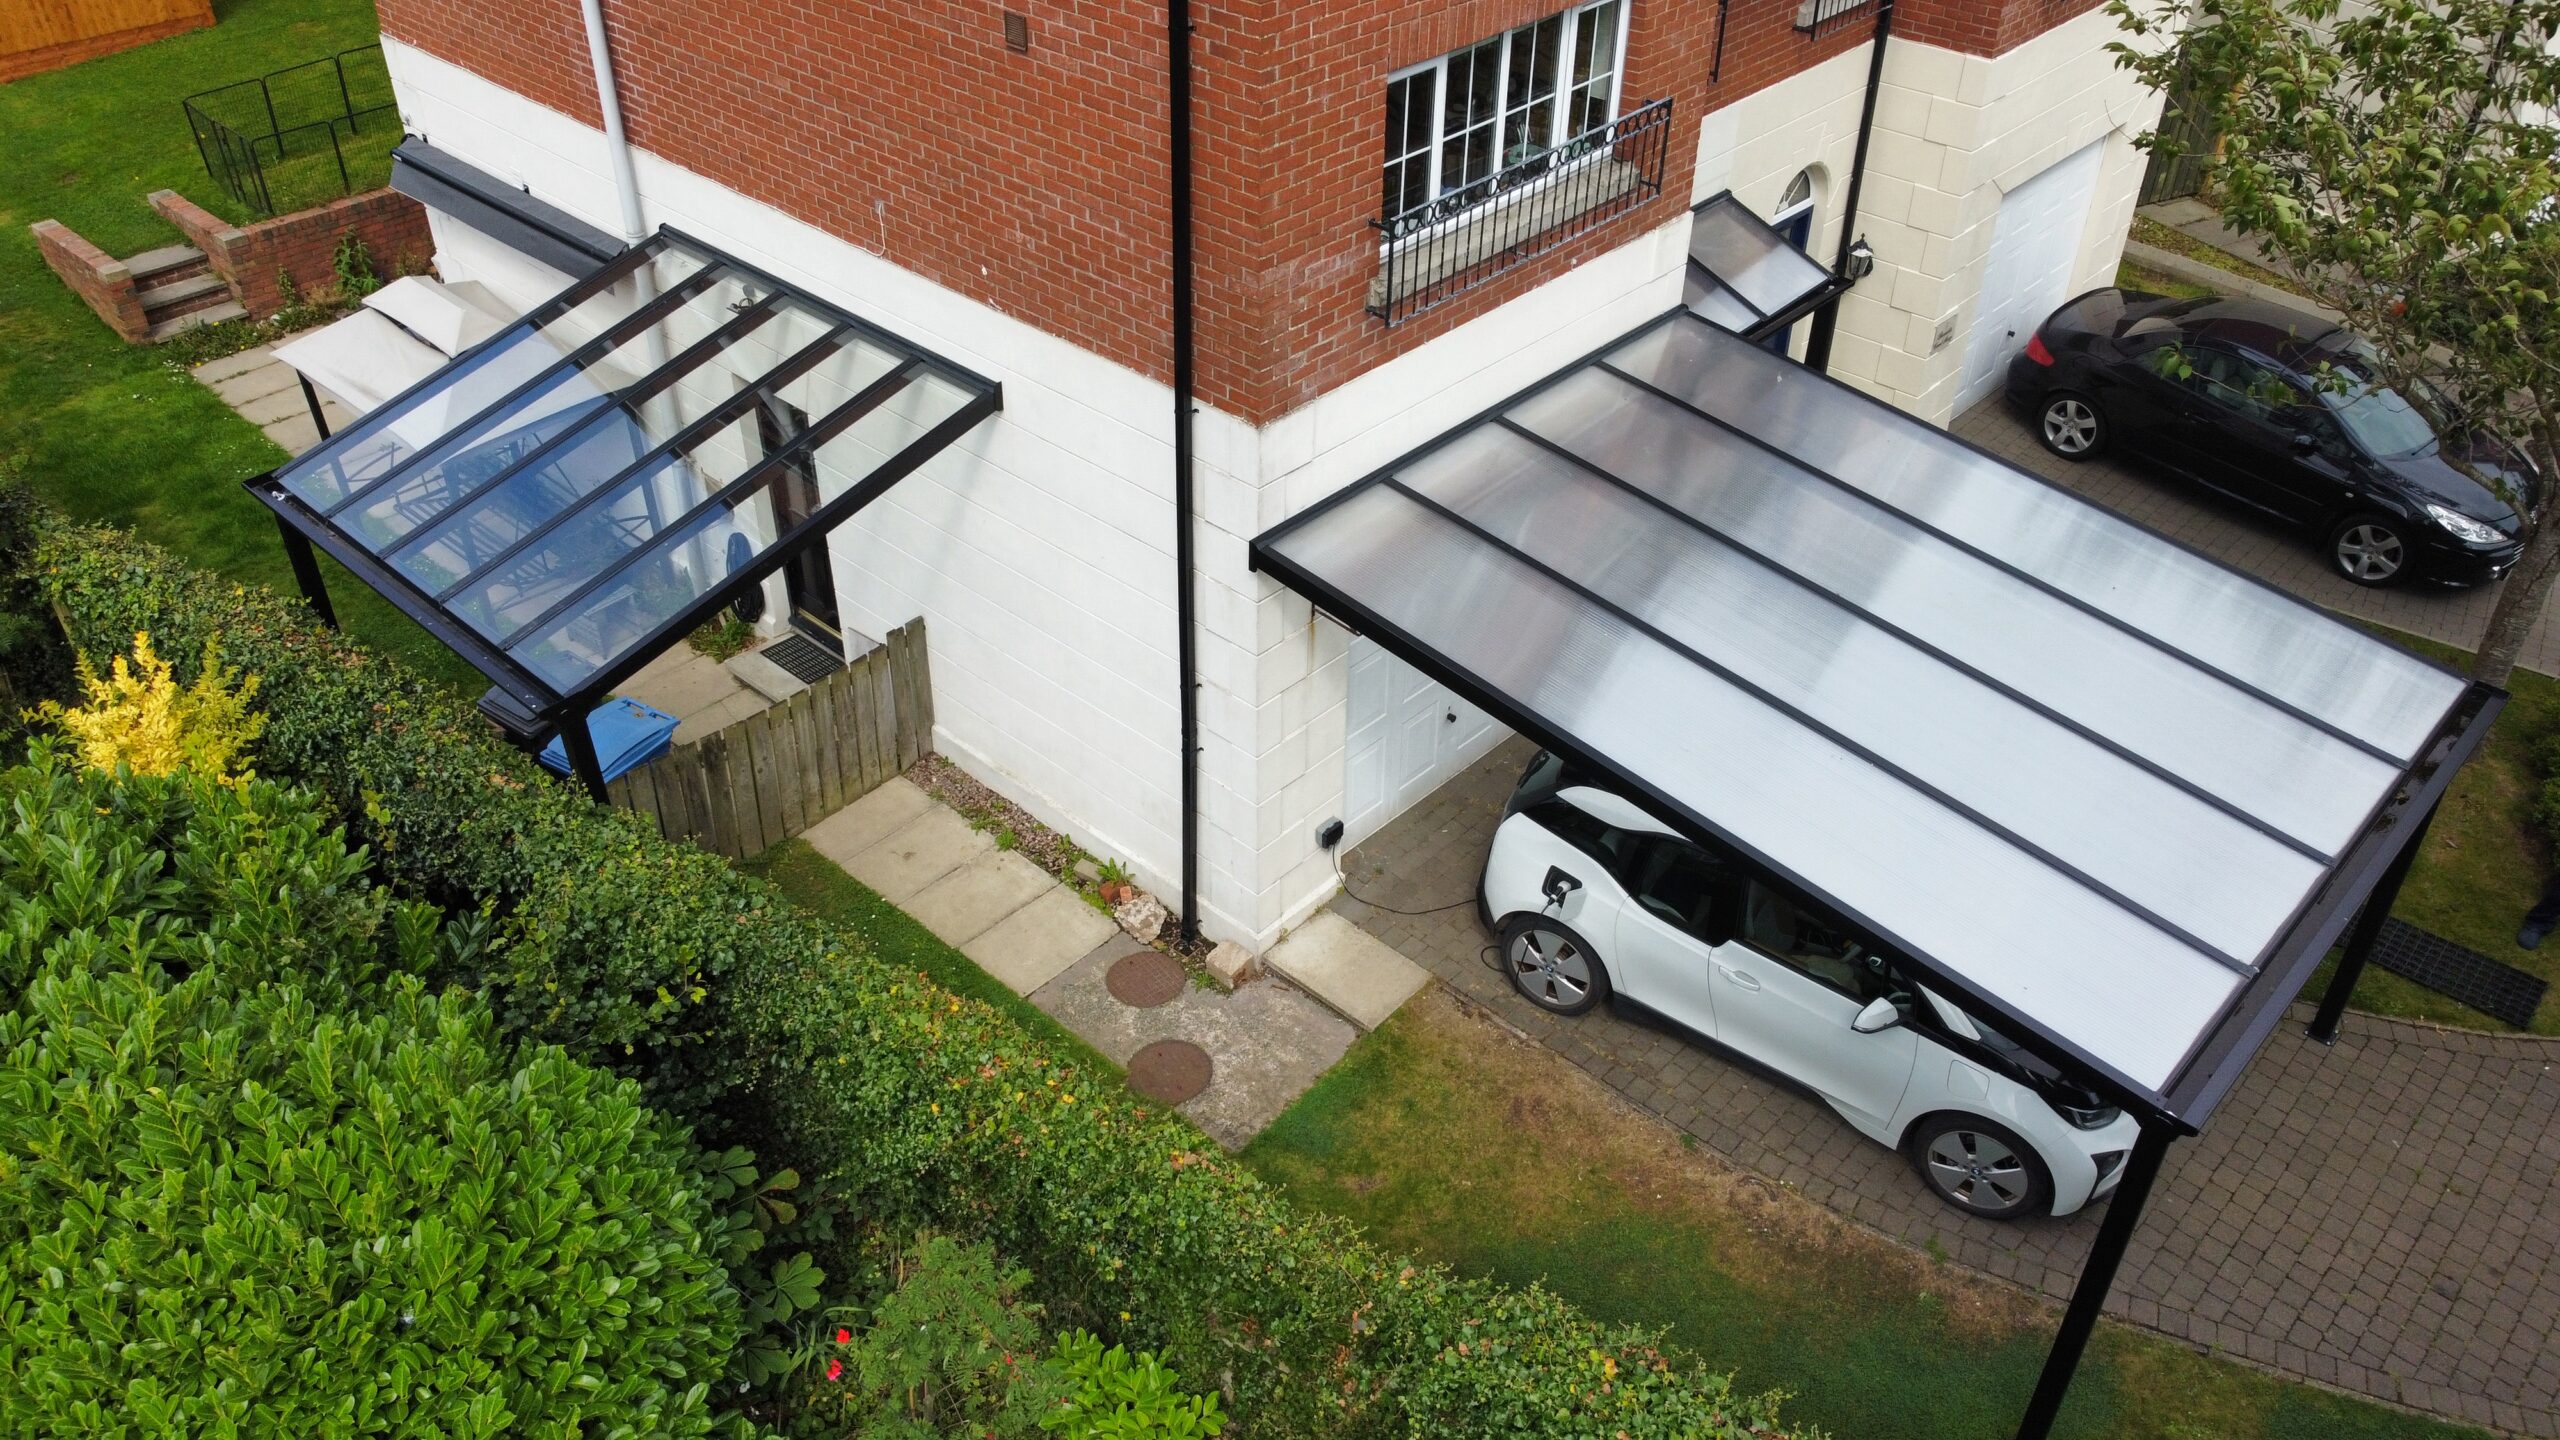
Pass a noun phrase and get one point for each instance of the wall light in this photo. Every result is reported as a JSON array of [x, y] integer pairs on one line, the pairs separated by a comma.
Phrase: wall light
[[1862, 261]]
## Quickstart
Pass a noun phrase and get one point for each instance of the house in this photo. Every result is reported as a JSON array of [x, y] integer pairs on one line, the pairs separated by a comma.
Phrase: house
[[1403, 212]]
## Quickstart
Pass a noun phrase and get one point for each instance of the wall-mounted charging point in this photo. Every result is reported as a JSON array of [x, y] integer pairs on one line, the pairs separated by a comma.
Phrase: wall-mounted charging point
[[1329, 834]]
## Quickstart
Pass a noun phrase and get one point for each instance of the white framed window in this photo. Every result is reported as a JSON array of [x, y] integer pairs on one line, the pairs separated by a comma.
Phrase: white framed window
[[1456, 123]]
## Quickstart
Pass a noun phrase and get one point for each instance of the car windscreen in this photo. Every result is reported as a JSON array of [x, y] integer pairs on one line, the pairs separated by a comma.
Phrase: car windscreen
[[2383, 421]]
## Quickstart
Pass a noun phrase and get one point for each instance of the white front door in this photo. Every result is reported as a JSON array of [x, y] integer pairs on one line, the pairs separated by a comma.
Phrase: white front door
[[2033, 251], [1408, 734]]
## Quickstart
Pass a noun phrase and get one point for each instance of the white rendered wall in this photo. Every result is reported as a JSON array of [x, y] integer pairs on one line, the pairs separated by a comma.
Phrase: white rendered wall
[[1954, 132]]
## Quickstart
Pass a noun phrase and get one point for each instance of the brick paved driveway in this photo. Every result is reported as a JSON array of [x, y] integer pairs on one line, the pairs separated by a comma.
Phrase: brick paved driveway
[[2242, 538], [2380, 1217]]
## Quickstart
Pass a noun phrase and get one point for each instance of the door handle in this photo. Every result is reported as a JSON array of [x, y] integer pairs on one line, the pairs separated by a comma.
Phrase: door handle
[[1739, 978]]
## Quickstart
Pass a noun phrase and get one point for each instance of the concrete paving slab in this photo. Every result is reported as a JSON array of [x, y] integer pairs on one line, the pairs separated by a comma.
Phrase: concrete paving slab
[[765, 678], [967, 903], [213, 372], [918, 853], [1035, 944], [271, 406], [293, 435], [1267, 1041], [273, 378], [717, 716], [868, 821], [1348, 968]]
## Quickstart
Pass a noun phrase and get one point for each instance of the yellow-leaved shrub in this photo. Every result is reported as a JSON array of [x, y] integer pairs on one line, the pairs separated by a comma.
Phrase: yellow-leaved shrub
[[138, 716]]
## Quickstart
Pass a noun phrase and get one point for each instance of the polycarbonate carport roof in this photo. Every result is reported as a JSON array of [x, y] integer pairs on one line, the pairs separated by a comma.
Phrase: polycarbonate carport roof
[[580, 490], [2118, 798], [1745, 276]]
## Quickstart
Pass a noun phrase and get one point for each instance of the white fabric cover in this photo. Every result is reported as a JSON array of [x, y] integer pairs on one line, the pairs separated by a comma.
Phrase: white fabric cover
[[362, 360]]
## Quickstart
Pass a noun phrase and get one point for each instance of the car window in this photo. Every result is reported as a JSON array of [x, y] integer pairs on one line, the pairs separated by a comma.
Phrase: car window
[[2239, 385], [2383, 420], [1817, 946], [1677, 883], [1612, 847]]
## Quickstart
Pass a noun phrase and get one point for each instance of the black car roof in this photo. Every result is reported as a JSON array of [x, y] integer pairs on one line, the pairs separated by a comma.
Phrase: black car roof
[[2278, 332]]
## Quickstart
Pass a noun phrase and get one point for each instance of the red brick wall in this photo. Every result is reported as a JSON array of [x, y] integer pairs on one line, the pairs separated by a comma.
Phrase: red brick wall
[[95, 276], [1035, 182], [251, 258]]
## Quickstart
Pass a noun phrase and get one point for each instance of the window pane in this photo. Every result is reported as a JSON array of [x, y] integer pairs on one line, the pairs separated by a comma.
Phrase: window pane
[[1595, 69], [1813, 944], [1676, 882], [1529, 90], [1467, 116]]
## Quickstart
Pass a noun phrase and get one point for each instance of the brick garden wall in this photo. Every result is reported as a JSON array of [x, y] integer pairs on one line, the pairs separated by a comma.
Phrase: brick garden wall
[[95, 276], [1034, 182], [252, 258]]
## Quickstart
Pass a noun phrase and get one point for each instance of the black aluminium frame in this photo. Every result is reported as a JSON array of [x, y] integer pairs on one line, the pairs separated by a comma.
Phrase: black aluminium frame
[[2357, 887], [532, 705], [1770, 323]]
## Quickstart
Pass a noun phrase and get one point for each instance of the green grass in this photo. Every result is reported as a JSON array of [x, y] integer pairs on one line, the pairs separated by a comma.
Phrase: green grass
[[109, 431], [2484, 861], [820, 886], [2130, 276], [1465, 1147]]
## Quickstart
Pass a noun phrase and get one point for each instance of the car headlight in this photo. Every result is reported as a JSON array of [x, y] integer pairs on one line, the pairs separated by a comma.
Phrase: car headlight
[[2088, 1117], [2463, 527]]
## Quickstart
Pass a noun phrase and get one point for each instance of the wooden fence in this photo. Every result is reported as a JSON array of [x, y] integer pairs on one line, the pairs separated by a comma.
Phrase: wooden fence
[[40, 35], [770, 776]]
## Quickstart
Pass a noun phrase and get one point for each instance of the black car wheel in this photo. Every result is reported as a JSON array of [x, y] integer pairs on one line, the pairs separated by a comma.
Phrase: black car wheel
[[2071, 426], [1551, 966], [2370, 549], [1981, 1168]]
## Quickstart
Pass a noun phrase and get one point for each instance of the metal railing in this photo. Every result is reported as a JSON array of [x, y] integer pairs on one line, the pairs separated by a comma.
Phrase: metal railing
[[287, 132], [1439, 250], [1818, 18]]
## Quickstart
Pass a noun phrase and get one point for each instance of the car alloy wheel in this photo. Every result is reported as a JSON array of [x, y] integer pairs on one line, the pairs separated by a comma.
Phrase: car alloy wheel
[[2071, 426], [1981, 1167], [2369, 551], [1551, 966]]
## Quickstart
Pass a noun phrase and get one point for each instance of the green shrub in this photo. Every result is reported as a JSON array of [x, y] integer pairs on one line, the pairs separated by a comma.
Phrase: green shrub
[[1113, 1395], [908, 1103]]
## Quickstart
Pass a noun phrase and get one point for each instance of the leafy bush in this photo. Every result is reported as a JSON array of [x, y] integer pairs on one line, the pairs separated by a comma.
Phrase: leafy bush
[[227, 1209], [2546, 803], [138, 716], [952, 1350], [1114, 1395], [911, 1104]]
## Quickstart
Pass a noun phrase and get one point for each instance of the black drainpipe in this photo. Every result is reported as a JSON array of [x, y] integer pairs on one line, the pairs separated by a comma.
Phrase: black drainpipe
[[1186, 658], [1817, 346]]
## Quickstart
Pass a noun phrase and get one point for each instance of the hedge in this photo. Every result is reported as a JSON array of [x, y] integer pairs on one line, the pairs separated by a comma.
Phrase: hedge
[[750, 1018], [227, 1208]]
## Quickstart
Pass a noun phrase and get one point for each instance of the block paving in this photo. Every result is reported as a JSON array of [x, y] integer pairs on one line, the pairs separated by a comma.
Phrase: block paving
[[2380, 1217]]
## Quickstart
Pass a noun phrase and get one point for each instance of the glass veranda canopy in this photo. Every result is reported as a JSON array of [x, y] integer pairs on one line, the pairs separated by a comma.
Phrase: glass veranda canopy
[[584, 487], [1745, 276], [2117, 798]]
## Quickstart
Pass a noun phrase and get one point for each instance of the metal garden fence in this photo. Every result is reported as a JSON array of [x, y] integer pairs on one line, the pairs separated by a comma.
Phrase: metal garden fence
[[283, 141]]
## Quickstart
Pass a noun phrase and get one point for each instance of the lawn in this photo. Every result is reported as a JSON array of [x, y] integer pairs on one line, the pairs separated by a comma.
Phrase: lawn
[[1454, 1141], [2484, 860], [110, 431]]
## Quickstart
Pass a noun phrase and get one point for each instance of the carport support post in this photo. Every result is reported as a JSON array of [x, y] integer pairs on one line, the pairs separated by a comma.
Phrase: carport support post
[[306, 572], [580, 742], [2367, 929], [2097, 1277], [311, 398]]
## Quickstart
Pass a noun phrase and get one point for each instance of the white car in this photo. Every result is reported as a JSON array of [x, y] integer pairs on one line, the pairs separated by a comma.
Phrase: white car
[[1591, 897]]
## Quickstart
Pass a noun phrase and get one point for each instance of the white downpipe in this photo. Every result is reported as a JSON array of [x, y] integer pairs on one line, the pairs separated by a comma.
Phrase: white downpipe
[[626, 184]]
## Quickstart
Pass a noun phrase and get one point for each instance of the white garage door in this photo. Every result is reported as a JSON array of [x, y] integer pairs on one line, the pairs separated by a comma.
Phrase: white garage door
[[2029, 272], [1408, 735]]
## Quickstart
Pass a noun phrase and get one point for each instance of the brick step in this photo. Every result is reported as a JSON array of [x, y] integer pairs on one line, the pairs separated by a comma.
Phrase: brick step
[[179, 297], [169, 262], [195, 319]]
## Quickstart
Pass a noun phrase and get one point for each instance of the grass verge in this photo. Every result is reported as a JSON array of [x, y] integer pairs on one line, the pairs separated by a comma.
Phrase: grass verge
[[1446, 1137], [820, 886], [114, 432], [2178, 242]]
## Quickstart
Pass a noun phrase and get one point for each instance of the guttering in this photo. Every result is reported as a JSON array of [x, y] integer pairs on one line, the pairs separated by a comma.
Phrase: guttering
[[626, 184], [1817, 347], [1186, 657]]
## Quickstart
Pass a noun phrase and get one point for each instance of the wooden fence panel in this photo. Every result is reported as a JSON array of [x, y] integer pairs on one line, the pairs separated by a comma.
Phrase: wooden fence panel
[[768, 777]]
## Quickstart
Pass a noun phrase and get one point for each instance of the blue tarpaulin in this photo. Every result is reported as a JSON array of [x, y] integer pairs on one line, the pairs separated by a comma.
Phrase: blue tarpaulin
[[628, 735]]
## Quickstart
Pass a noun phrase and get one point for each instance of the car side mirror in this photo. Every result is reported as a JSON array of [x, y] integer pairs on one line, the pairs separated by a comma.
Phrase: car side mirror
[[2304, 443], [1881, 1014]]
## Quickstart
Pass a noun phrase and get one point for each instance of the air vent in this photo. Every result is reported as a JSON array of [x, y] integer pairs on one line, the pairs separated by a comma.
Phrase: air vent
[[1017, 32]]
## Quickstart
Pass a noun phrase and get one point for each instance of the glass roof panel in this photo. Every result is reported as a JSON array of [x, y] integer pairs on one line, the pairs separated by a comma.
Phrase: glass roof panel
[[2374, 691], [2123, 826], [2131, 995], [2299, 779], [1740, 249], [596, 474], [1711, 301]]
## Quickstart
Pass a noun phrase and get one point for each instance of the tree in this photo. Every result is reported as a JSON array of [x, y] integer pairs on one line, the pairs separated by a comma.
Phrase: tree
[[2397, 158]]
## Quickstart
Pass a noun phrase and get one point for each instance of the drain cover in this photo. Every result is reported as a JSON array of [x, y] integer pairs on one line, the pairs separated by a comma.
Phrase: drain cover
[[1145, 979], [1169, 1071], [808, 661]]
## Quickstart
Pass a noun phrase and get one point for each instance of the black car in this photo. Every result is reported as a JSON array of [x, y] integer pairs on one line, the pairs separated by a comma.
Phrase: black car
[[2281, 411]]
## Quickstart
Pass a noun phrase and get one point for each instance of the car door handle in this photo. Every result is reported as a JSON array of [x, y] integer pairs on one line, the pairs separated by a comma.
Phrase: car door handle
[[1738, 977]]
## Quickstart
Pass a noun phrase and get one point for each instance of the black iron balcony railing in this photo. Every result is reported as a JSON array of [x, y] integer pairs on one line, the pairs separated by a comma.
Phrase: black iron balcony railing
[[1438, 251]]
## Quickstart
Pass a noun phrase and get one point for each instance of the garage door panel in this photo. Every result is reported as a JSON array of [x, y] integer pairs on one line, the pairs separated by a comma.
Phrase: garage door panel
[[2033, 250]]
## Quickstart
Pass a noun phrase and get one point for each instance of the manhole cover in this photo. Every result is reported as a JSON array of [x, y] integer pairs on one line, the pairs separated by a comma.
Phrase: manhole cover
[[1169, 1071], [1145, 979]]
